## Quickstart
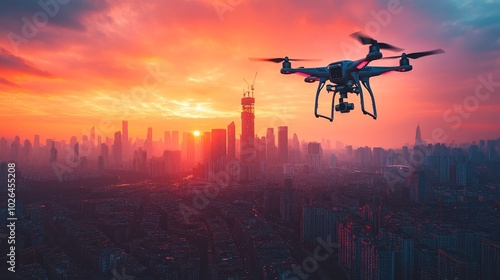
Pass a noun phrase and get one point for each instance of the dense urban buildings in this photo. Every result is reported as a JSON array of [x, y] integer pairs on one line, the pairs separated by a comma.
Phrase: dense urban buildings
[[287, 209]]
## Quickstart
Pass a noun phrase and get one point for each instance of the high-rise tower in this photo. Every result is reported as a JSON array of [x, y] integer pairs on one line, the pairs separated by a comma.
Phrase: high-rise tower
[[218, 145], [92, 137], [149, 142], [283, 144], [247, 149], [231, 141], [117, 148], [175, 140], [53, 153], [418, 137], [125, 142], [271, 149]]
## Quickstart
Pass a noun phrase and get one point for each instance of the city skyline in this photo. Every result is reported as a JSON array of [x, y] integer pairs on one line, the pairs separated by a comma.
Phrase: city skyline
[[63, 85], [161, 139]]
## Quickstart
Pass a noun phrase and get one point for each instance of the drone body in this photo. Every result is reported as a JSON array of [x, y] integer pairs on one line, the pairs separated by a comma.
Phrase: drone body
[[347, 75]]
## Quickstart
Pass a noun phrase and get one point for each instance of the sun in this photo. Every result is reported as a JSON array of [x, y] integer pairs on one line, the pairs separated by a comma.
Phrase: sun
[[196, 133]]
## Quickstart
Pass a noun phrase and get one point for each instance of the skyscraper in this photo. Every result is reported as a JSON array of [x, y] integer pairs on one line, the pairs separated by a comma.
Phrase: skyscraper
[[283, 144], [100, 164], [26, 151], [4, 148], [271, 145], [172, 161], [36, 142], [190, 147], [125, 143], [247, 128], [418, 137], [15, 146], [378, 157], [117, 148], [92, 136], [314, 154], [104, 154], [167, 139], [418, 184], [175, 140], [76, 155], [53, 153], [247, 139], [206, 146], [231, 141], [261, 149], [149, 142], [218, 145], [295, 153]]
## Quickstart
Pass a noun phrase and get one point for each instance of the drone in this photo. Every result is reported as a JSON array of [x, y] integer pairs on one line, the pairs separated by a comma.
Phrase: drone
[[347, 75]]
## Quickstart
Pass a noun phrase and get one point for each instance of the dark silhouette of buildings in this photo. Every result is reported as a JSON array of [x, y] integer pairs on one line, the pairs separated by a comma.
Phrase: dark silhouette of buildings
[[76, 155], [218, 145], [283, 144], [175, 140], [53, 153], [231, 141], [190, 147], [271, 150], [172, 162], [117, 149], [418, 137], [125, 141], [205, 146], [314, 156], [167, 140], [217, 151], [14, 148], [247, 139], [105, 155], [92, 136], [148, 145]]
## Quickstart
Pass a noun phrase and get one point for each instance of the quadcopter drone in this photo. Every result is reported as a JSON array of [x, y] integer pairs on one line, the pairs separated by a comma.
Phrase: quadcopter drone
[[348, 75]]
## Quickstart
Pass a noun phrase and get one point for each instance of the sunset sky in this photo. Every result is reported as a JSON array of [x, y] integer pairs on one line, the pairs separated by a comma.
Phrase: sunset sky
[[179, 65]]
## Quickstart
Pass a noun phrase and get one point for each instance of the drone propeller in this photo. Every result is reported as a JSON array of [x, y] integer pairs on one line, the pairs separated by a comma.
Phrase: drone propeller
[[281, 59], [416, 54], [365, 40]]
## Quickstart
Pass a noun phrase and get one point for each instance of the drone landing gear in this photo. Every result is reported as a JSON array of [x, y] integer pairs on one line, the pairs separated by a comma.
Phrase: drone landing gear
[[320, 87], [343, 90], [366, 84]]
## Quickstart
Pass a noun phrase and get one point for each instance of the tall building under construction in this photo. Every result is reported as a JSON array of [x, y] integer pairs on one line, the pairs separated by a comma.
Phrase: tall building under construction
[[247, 148]]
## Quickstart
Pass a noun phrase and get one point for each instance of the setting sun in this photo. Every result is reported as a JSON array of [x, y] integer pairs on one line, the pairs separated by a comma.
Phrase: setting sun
[[196, 133]]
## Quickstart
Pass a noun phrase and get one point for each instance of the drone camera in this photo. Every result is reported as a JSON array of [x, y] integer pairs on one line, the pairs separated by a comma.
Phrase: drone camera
[[344, 107]]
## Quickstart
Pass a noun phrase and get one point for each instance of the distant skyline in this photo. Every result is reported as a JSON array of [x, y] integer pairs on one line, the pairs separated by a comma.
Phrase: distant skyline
[[159, 135], [180, 66]]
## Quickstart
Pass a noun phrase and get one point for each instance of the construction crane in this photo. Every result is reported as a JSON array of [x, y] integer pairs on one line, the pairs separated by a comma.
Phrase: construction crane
[[250, 89]]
